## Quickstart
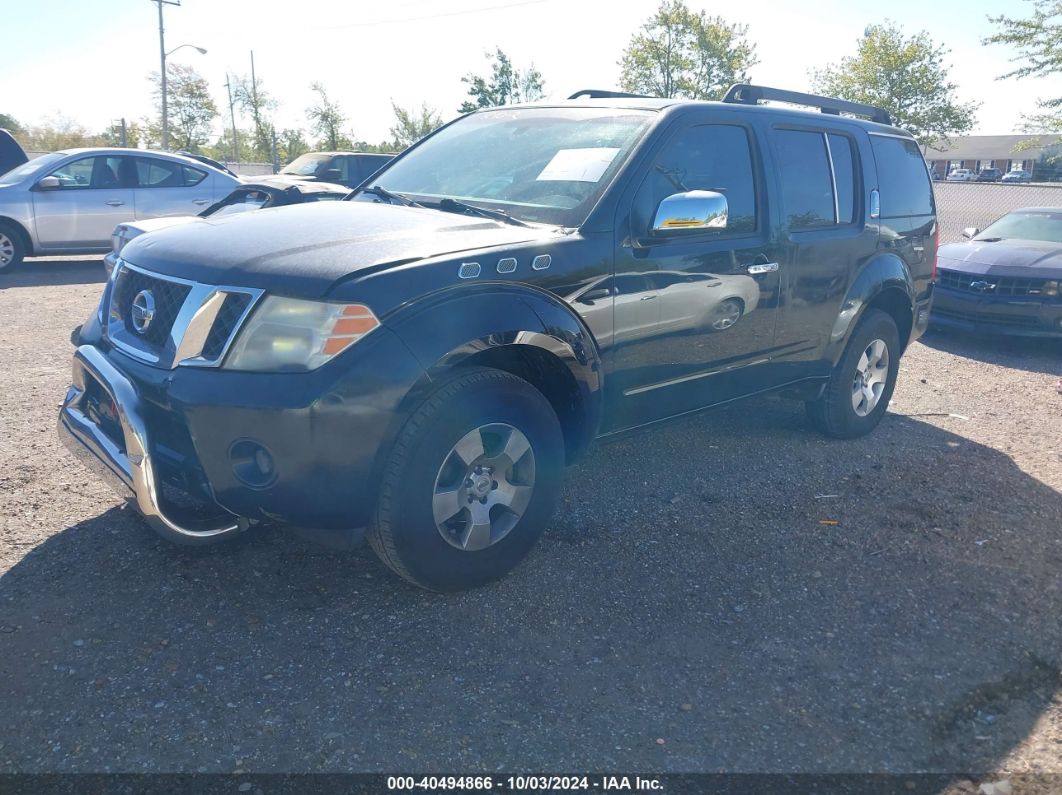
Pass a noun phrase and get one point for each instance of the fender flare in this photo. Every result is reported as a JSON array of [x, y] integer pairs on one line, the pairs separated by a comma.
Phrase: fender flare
[[884, 271], [487, 319]]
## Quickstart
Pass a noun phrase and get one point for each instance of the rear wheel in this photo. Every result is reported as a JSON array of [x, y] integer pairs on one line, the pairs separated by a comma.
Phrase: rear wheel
[[12, 249], [471, 482], [860, 388]]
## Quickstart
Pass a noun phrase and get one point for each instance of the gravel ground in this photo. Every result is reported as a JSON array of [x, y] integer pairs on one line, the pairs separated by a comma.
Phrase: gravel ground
[[729, 592]]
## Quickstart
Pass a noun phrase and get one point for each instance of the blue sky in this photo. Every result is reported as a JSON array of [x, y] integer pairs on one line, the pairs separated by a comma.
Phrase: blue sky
[[89, 59]]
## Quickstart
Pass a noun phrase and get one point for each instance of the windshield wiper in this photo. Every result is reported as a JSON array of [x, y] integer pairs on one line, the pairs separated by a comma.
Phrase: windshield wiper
[[391, 196], [454, 206], [988, 239]]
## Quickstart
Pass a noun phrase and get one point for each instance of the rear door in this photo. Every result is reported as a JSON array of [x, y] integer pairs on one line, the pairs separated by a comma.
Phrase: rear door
[[95, 194], [824, 228], [166, 187]]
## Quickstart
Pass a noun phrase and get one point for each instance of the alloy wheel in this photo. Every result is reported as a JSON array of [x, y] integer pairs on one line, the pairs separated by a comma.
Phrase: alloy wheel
[[871, 375], [7, 250], [484, 486], [726, 315]]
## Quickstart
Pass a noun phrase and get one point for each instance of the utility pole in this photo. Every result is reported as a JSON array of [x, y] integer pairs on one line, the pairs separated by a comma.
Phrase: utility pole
[[254, 107], [162, 71], [232, 115], [125, 135]]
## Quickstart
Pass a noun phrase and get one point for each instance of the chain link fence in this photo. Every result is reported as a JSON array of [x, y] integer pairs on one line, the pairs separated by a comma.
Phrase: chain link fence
[[964, 204]]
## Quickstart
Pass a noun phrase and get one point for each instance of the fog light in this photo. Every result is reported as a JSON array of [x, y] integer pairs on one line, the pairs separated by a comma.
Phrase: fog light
[[252, 463]]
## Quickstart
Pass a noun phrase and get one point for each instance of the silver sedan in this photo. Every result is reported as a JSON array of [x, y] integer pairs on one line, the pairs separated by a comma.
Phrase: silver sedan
[[69, 202]]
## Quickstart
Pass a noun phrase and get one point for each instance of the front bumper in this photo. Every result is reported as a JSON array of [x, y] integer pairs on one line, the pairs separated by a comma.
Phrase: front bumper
[[174, 446], [978, 314], [125, 460]]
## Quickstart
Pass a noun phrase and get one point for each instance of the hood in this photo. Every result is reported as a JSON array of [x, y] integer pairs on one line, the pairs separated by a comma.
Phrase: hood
[[154, 224], [304, 249], [1030, 259]]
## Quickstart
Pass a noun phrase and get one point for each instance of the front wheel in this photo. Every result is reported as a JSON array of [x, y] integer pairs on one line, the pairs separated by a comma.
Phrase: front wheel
[[861, 385], [470, 483], [12, 249]]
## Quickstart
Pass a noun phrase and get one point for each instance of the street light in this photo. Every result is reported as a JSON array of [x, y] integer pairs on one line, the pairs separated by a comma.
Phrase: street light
[[163, 55], [165, 114]]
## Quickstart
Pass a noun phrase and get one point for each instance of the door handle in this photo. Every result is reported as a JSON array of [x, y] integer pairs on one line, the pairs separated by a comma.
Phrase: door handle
[[200, 201], [647, 297], [114, 203], [762, 267]]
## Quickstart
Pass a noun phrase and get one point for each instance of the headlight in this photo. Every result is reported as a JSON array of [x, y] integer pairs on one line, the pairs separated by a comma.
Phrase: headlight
[[1050, 288], [296, 335]]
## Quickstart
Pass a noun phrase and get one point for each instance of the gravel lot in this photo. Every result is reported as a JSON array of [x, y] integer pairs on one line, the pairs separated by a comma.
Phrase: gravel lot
[[729, 592]]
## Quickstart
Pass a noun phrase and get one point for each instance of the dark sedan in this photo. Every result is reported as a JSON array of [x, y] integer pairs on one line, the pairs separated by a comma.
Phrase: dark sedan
[[264, 192], [1005, 279]]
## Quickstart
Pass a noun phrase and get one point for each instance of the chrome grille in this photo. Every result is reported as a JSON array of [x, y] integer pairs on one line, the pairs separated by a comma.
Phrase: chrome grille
[[169, 298], [193, 323], [990, 285], [230, 314]]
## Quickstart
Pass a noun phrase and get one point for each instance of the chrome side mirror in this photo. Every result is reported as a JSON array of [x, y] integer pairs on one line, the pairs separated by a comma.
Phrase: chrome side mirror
[[693, 211], [970, 232], [594, 295], [49, 183]]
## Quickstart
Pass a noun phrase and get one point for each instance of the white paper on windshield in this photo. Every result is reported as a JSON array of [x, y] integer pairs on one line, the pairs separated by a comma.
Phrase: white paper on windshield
[[578, 165]]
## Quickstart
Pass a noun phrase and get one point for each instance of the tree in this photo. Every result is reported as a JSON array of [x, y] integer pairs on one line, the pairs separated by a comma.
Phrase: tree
[[905, 76], [190, 107], [223, 146], [504, 85], [252, 98], [291, 143], [679, 53], [133, 135], [58, 132], [1038, 41], [326, 119], [10, 123], [412, 125]]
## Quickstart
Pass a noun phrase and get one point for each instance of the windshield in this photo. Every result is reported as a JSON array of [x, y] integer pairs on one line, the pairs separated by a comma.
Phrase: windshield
[[306, 165], [546, 165], [32, 167], [1045, 225]]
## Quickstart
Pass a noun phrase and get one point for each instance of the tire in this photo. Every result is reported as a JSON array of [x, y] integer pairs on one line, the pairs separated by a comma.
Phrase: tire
[[12, 247], [836, 413], [432, 471]]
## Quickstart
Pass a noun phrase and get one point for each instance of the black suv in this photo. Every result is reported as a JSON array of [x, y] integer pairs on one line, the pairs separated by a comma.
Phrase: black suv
[[424, 358]]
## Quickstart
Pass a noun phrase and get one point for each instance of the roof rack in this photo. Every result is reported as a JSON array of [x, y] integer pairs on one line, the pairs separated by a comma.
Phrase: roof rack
[[596, 93], [745, 94]]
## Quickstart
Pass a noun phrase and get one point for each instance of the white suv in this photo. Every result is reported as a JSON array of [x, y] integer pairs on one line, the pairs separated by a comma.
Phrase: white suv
[[69, 202]]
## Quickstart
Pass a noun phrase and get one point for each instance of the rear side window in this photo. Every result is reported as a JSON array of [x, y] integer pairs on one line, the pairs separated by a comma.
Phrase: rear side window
[[192, 176], [818, 175], [841, 155], [903, 179], [804, 170]]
